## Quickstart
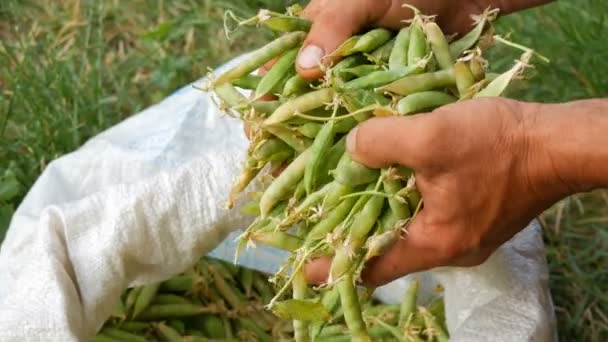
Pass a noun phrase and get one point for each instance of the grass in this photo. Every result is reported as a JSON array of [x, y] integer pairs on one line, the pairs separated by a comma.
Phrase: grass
[[70, 69]]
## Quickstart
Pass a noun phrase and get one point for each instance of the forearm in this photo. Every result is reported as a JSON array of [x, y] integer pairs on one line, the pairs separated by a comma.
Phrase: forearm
[[571, 142]]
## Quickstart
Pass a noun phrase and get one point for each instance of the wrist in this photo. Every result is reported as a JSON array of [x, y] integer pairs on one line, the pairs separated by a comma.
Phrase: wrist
[[566, 146]]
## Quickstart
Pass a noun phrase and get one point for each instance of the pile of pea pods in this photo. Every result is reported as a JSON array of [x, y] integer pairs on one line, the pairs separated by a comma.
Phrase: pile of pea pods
[[315, 200], [218, 301]]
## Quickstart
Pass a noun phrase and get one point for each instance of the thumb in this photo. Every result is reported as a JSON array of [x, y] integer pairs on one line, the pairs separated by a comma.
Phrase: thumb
[[333, 24], [381, 142]]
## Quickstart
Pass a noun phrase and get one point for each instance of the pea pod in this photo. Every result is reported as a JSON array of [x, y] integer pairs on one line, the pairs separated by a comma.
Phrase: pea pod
[[360, 70], [380, 78], [464, 79], [422, 82], [167, 298], [439, 45], [168, 333], [408, 304], [277, 239], [423, 100], [265, 107], [295, 85], [348, 62], [122, 335], [272, 149], [261, 56], [288, 136], [469, 40], [247, 82], [417, 46], [309, 129], [319, 149], [273, 77], [301, 104], [382, 54], [371, 40], [330, 222], [281, 186], [398, 56], [230, 96], [352, 173], [145, 298], [287, 24]]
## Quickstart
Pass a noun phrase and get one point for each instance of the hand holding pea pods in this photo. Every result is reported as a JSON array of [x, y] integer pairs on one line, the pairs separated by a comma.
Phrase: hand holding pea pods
[[381, 73]]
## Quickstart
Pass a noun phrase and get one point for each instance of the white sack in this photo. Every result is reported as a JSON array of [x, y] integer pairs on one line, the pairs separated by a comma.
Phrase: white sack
[[144, 200]]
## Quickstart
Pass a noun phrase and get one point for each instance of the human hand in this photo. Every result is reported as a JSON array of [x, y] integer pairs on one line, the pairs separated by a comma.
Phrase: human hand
[[334, 21], [482, 178]]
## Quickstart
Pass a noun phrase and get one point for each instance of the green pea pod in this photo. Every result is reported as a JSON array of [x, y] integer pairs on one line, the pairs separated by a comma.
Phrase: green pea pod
[[281, 186], [439, 45], [246, 280], [422, 82], [170, 311], [230, 96], [352, 173], [464, 80], [262, 287], [301, 104], [265, 107], [309, 129], [413, 199], [371, 40], [287, 24], [295, 85], [425, 100], [178, 325], [331, 162], [346, 47], [320, 148], [300, 288], [277, 239], [273, 77], [399, 52], [249, 82], [211, 325], [227, 292], [469, 40], [364, 222], [261, 56], [417, 47], [167, 298], [134, 327], [119, 311], [432, 325], [145, 298], [380, 78], [295, 141], [249, 325], [352, 308], [103, 338], [345, 125], [408, 304], [269, 150], [360, 70], [500, 84], [348, 62], [399, 207], [122, 335], [168, 333], [181, 283], [320, 230], [382, 54]]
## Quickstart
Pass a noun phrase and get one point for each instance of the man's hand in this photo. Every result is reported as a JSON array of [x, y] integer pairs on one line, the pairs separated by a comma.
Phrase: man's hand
[[334, 21], [481, 172]]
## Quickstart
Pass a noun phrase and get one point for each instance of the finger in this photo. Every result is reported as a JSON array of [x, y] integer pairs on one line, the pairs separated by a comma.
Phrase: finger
[[317, 270], [381, 142], [335, 22], [313, 8]]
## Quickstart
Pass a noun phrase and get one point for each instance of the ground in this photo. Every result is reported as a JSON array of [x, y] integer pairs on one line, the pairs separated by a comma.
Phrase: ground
[[70, 69]]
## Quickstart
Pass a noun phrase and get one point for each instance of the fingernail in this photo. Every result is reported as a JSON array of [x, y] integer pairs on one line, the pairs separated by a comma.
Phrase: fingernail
[[351, 141], [310, 57]]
